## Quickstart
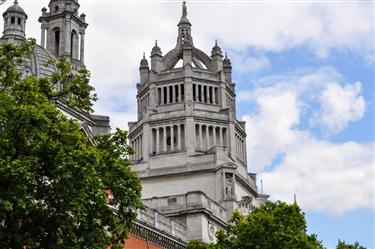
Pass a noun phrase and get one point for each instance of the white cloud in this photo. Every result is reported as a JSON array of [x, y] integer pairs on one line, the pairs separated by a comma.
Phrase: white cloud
[[246, 64], [339, 106], [330, 177], [270, 132], [120, 31], [327, 177]]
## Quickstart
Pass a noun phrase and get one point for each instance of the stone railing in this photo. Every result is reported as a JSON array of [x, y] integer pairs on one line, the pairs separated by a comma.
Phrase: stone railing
[[189, 201], [162, 223]]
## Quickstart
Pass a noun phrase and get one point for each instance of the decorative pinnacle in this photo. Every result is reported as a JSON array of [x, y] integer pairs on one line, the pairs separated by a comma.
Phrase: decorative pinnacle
[[184, 9], [156, 42], [226, 55], [215, 42], [144, 55], [15, 2]]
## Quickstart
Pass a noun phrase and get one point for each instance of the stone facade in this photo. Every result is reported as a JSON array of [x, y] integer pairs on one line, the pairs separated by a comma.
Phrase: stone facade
[[190, 150]]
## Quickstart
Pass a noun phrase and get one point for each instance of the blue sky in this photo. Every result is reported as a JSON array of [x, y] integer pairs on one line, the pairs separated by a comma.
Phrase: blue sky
[[305, 86]]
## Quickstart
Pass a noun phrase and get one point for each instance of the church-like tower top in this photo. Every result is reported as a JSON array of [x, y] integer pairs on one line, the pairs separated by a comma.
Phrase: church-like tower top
[[189, 54], [14, 22]]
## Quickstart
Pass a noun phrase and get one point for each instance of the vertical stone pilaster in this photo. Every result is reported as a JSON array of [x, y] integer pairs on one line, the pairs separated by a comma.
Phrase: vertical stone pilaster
[[82, 52]]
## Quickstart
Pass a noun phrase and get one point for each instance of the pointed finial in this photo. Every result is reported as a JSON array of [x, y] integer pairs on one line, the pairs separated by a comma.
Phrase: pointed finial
[[144, 55], [226, 55], [215, 42], [184, 9], [295, 199], [15, 2], [156, 42]]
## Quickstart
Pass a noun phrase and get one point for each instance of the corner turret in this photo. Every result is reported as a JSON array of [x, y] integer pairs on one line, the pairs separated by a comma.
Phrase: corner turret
[[217, 58], [143, 70], [156, 58], [62, 30], [227, 66]]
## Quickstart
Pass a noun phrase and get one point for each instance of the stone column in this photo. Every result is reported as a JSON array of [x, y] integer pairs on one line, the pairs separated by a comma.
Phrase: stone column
[[207, 94], [82, 52], [165, 138], [179, 93], [140, 146], [67, 40], [200, 136], [168, 93], [162, 96], [202, 94], [173, 93], [213, 96], [196, 93], [245, 149], [172, 137], [157, 140], [214, 135], [43, 38], [136, 149], [221, 133], [207, 137], [179, 137], [132, 156]]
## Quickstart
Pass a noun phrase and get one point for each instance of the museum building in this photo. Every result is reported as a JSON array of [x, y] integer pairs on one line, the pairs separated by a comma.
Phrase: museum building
[[190, 149]]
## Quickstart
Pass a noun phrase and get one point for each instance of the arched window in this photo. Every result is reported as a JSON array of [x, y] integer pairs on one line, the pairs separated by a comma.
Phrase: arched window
[[19, 20], [12, 20]]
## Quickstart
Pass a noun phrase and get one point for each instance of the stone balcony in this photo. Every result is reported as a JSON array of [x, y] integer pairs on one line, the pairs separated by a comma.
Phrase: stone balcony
[[189, 202], [162, 223]]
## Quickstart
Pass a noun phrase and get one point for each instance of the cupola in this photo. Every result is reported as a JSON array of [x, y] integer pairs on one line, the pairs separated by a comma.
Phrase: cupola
[[14, 22]]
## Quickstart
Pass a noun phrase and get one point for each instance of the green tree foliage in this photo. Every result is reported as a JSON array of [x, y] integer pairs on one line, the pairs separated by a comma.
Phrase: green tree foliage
[[200, 245], [271, 226], [343, 245], [54, 183]]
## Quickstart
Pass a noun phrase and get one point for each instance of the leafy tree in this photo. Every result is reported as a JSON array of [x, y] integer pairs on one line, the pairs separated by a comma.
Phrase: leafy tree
[[271, 226], [343, 245], [54, 183], [199, 245]]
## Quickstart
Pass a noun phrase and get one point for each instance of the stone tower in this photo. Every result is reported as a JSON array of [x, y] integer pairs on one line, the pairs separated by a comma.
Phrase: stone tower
[[14, 22], [63, 31], [190, 150]]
